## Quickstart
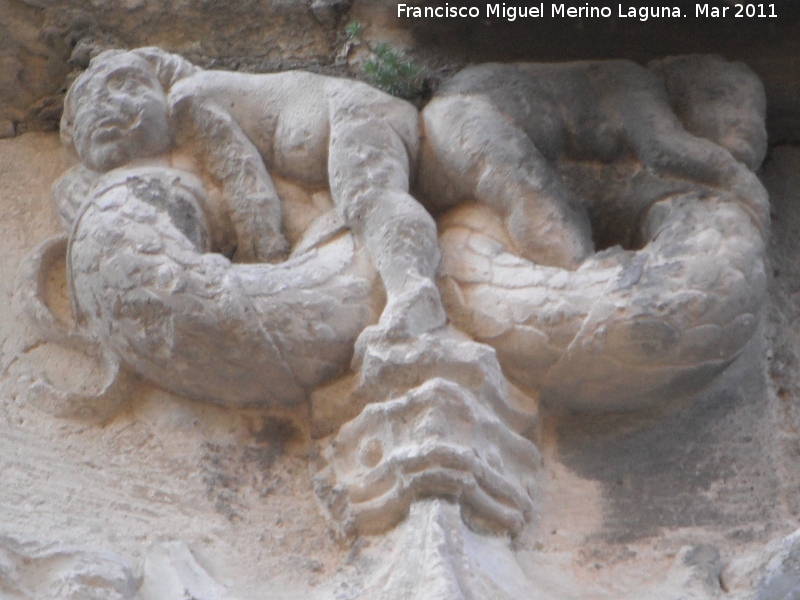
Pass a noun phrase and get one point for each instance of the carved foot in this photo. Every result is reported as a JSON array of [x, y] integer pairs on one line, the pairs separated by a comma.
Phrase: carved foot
[[417, 310]]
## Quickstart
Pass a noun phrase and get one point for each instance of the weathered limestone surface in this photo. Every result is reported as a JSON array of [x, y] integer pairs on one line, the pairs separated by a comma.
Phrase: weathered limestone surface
[[624, 326], [44, 44], [227, 371]]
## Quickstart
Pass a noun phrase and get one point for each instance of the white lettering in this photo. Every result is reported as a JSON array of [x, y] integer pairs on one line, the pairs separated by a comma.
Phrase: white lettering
[[646, 12]]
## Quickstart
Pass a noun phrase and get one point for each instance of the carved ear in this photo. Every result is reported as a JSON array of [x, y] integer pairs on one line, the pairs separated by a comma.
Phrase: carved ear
[[169, 68], [70, 108]]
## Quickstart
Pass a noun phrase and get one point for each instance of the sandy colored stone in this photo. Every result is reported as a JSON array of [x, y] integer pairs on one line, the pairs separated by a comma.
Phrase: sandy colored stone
[[169, 495], [675, 291]]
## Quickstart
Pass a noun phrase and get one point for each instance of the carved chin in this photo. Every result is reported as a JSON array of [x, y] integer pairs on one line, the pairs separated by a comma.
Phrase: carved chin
[[104, 157]]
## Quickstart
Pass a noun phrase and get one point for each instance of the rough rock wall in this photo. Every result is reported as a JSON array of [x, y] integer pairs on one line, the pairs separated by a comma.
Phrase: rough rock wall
[[45, 43], [706, 484]]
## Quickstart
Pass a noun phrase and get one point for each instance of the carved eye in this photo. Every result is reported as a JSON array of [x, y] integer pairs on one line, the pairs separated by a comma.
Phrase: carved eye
[[129, 83]]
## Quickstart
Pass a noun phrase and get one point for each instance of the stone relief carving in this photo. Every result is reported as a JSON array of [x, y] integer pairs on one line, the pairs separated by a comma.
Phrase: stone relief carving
[[251, 240], [661, 161], [151, 286]]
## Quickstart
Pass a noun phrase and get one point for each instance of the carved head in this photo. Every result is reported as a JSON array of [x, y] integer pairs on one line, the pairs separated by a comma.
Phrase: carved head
[[116, 111], [721, 101]]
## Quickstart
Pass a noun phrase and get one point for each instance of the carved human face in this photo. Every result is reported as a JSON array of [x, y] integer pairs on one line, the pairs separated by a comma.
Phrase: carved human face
[[120, 112], [740, 123], [720, 101]]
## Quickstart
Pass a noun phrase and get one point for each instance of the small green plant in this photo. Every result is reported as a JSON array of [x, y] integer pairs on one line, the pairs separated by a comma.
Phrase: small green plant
[[353, 30], [393, 73], [390, 70]]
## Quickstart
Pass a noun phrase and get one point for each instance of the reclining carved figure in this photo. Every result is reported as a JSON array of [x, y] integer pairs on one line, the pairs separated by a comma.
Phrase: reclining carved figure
[[148, 278], [661, 159], [148, 108]]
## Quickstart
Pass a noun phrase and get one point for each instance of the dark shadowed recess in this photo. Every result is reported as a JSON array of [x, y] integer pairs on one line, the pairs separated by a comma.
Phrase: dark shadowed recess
[[703, 462], [771, 46]]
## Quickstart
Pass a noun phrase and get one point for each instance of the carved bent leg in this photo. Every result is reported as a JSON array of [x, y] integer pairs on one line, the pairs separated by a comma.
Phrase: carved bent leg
[[369, 167], [473, 151], [437, 405], [661, 142]]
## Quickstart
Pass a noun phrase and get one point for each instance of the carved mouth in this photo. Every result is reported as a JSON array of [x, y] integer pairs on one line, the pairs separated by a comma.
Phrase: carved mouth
[[113, 129], [107, 133]]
